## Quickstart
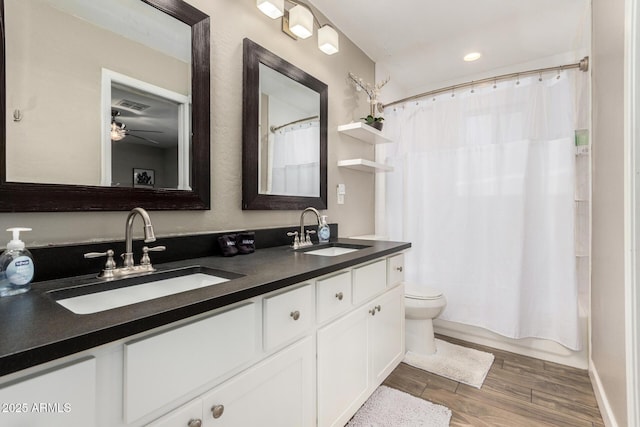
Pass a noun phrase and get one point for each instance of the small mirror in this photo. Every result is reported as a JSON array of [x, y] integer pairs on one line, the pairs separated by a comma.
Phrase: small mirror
[[285, 134]]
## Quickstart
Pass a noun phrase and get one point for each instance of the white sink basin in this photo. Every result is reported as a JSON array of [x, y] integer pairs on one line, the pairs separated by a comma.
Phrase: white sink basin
[[114, 298], [331, 251]]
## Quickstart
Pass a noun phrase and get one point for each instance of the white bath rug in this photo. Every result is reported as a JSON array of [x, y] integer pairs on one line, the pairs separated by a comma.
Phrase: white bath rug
[[455, 362], [388, 407]]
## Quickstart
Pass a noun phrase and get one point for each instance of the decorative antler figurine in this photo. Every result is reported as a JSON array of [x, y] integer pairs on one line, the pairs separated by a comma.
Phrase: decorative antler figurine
[[372, 91]]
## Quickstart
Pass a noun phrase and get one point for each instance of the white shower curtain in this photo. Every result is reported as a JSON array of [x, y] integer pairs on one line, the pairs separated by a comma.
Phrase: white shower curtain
[[483, 188], [294, 168]]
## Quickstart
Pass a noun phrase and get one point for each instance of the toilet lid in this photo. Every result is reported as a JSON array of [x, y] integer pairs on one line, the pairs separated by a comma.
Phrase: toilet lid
[[423, 293]]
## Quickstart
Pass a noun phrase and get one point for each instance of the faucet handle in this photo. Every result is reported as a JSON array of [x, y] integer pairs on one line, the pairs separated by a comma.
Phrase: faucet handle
[[109, 266], [296, 239], [309, 233], [145, 260]]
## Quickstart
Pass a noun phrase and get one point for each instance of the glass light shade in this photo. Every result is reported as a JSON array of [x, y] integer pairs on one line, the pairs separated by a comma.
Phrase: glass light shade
[[301, 21], [117, 133], [328, 40], [272, 8]]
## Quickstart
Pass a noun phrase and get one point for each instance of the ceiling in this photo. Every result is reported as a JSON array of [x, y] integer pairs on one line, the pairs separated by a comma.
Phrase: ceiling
[[420, 43], [150, 120]]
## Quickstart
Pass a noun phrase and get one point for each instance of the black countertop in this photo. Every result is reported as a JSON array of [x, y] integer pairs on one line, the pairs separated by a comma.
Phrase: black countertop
[[35, 329]]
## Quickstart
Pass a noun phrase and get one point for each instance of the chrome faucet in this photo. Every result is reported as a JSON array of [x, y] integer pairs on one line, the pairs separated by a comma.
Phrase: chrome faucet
[[149, 236], [300, 241], [129, 268]]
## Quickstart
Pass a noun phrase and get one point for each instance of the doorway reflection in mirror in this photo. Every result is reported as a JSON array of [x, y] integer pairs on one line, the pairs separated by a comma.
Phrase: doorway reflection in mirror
[[147, 125]]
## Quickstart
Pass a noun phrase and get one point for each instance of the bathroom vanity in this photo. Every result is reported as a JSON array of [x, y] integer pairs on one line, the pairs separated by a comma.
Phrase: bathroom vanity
[[294, 339]]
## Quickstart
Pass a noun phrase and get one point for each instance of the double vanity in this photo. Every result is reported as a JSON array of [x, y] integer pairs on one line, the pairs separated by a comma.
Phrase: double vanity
[[278, 337]]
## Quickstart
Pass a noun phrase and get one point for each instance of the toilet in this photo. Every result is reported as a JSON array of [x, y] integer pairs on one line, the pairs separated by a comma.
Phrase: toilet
[[421, 307]]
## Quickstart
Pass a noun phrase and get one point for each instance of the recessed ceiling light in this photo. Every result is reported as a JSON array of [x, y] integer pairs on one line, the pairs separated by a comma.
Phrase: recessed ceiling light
[[472, 56]]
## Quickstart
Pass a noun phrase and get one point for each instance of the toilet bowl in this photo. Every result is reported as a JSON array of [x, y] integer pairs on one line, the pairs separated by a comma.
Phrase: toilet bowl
[[421, 307]]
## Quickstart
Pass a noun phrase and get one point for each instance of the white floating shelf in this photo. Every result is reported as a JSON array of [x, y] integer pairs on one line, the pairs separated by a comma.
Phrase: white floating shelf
[[364, 132], [364, 165]]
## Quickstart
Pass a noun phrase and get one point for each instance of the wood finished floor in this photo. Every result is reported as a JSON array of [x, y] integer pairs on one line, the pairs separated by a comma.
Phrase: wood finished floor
[[518, 391]]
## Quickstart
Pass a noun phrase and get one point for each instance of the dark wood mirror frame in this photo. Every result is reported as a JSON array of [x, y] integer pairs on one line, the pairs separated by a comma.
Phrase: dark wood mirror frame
[[253, 55], [32, 197]]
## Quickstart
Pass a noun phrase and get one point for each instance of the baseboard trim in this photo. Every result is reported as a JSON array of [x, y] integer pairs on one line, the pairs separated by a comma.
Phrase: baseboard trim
[[601, 397]]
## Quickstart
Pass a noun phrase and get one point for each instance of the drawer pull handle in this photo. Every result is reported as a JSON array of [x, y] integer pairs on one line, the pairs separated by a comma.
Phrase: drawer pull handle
[[295, 315], [195, 423], [399, 269], [339, 296], [217, 411]]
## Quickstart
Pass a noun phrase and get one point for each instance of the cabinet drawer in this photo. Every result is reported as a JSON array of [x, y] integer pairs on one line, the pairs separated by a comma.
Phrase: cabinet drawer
[[65, 396], [181, 416], [164, 367], [369, 280], [395, 270], [333, 295], [278, 392], [287, 316]]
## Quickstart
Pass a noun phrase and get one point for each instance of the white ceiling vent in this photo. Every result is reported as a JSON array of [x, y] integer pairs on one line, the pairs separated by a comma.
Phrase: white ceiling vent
[[132, 105]]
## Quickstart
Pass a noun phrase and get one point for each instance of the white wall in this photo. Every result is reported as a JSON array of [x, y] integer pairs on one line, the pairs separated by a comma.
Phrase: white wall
[[607, 287], [231, 21]]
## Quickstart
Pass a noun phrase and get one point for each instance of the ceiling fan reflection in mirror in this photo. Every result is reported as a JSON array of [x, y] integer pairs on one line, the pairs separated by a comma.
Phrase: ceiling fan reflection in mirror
[[119, 130]]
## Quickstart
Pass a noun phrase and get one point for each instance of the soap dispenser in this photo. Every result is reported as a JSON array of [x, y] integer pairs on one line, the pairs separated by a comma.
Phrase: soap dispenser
[[16, 266], [323, 230]]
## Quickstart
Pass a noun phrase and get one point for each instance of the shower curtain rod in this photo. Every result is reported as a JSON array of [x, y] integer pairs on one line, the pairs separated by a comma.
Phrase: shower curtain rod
[[276, 128], [583, 65]]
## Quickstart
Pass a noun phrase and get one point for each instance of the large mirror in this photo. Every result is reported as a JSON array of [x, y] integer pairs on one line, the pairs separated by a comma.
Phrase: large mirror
[[284, 134], [106, 105]]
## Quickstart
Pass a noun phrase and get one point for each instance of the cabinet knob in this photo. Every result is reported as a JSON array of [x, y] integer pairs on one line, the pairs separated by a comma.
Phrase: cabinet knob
[[339, 295], [217, 411], [195, 423], [372, 311], [399, 268], [295, 315], [377, 307]]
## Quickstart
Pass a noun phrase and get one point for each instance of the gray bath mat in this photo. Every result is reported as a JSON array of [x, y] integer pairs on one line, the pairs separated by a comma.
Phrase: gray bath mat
[[455, 362], [388, 407]]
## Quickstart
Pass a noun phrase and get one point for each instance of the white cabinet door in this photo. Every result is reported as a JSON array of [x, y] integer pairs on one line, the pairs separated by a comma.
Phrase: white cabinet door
[[342, 368], [355, 355], [276, 392], [386, 334], [64, 397]]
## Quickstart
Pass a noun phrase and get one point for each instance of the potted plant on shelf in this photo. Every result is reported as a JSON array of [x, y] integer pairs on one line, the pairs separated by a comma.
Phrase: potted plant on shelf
[[373, 121], [372, 93]]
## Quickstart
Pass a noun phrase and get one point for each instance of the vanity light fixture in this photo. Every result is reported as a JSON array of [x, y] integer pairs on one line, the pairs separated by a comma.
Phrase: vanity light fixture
[[301, 21], [473, 56], [298, 22], [328, 40], [272, 8]]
